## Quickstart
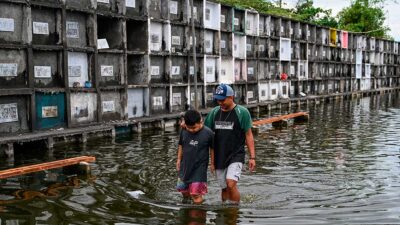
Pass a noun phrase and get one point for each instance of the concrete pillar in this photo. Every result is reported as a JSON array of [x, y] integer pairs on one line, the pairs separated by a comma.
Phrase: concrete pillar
[[113, 133], [50, 143], [84, 138], [162, 125]]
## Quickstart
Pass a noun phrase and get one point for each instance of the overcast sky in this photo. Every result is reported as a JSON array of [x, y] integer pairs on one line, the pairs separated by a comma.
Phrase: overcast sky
[[392, 11]]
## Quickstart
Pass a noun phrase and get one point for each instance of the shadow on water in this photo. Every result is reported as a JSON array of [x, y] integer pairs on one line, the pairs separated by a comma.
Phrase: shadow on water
[[343, 166]]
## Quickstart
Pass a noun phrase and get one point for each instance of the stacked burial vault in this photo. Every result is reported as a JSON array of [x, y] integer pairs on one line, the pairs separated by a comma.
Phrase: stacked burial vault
[[71, 63]]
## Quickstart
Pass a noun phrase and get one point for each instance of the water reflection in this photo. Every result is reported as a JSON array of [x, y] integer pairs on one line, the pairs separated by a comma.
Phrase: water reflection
[[341, 167]]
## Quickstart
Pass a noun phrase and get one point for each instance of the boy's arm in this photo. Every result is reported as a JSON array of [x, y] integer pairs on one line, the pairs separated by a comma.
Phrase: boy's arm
[[179, 158]]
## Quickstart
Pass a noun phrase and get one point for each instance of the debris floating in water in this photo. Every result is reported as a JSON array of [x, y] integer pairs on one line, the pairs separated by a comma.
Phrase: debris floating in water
[[135, 194]]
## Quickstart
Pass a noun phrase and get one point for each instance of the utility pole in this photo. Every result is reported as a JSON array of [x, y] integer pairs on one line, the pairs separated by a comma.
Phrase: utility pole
[[196, 104]]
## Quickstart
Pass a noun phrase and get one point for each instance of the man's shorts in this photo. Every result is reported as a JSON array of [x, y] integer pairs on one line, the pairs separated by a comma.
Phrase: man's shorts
[[195, 188], [233, 172]]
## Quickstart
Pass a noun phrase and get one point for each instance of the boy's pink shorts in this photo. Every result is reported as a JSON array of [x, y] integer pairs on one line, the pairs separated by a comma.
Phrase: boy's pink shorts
[[195, 188]]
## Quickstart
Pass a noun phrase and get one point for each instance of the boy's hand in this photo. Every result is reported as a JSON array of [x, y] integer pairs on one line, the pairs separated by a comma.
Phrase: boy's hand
[[212, 169], [178, 165]]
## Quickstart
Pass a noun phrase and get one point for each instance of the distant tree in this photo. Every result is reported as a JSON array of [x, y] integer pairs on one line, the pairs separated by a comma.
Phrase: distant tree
[[366, 16], [306, 11]]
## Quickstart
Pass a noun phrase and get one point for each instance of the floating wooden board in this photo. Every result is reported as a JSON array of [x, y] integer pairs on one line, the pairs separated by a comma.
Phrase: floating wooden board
[[280, 118], [44, 166]]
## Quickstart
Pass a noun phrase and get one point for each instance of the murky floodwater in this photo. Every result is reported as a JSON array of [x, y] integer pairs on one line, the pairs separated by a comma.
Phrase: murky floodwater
[[341, 167]]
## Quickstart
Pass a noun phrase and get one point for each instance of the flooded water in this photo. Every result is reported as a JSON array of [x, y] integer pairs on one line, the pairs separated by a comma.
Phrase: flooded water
[[342, 167]]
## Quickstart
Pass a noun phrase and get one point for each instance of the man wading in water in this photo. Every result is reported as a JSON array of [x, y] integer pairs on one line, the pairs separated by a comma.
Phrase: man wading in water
[[232, 126]]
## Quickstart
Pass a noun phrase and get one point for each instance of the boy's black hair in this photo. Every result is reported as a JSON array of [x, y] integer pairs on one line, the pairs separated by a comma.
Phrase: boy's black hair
[[192, 117]]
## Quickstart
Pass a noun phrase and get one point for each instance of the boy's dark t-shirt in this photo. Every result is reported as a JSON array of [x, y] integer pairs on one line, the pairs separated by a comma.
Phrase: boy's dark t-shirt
[[195, 149]]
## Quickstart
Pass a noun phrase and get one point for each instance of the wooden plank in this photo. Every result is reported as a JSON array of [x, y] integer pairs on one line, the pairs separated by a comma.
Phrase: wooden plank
[[278, 118], [45, 166]]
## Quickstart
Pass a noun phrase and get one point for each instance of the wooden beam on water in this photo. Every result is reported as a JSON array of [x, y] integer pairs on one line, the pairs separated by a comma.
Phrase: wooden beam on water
[[45, 166], [298, 115]]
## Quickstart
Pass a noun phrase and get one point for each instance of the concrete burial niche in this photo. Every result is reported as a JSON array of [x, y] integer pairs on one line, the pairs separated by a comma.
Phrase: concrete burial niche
[[178, 41], [50, 110], [227, 71], [263, 70], [199, 39], [198, 6], [177, 12], [138, 102], [274, 72], [111, 69], [263, 92], [239, 20], [252, 93], [199, 95], [179, 72], [285, 28], [78, 69], [273, 49], [294, 73], [303, 51], [295, 51], [83, 108], [210, 102], [251, 46], [135, 8], [159, 38], [13, 28], [47, 69], [107, 27], [240, 93], [239, 46], [112, 106], [159, 100], [46, 26], [199, 71], [303, 69], [212, 15], [80, 4], [211, 68], [158, 70], [114, 6], [138, 69], [252, 70], [226, 43], [79, 29], [274, 90], [262, 48], [252, 20], [158, 9], [240, 70], [14, 111], [211, 42], [137, 35], [179, 99], [13, 69], [226, 18], [312, 33], [285, 49]]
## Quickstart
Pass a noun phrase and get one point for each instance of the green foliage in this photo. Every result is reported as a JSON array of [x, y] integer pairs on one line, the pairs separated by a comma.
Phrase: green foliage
[[364, 16]]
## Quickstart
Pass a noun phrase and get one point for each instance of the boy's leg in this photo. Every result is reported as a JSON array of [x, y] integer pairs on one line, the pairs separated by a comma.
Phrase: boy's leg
[[197, 190], [197, 199]]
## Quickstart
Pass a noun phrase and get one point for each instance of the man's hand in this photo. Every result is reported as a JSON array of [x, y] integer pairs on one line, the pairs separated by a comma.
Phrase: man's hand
[[252, 165], [178, 165]]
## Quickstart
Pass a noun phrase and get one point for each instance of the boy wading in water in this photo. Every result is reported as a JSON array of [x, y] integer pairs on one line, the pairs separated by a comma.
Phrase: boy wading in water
[[195, 147]]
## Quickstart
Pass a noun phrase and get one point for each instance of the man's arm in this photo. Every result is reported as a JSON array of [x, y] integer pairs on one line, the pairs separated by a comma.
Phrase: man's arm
[[252, 151], [212, 159], [179, 158]]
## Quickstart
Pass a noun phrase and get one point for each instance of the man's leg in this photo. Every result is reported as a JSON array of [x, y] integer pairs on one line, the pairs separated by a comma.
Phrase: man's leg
[[197, 199], [232, 191], [233, 173], [224, 194]]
